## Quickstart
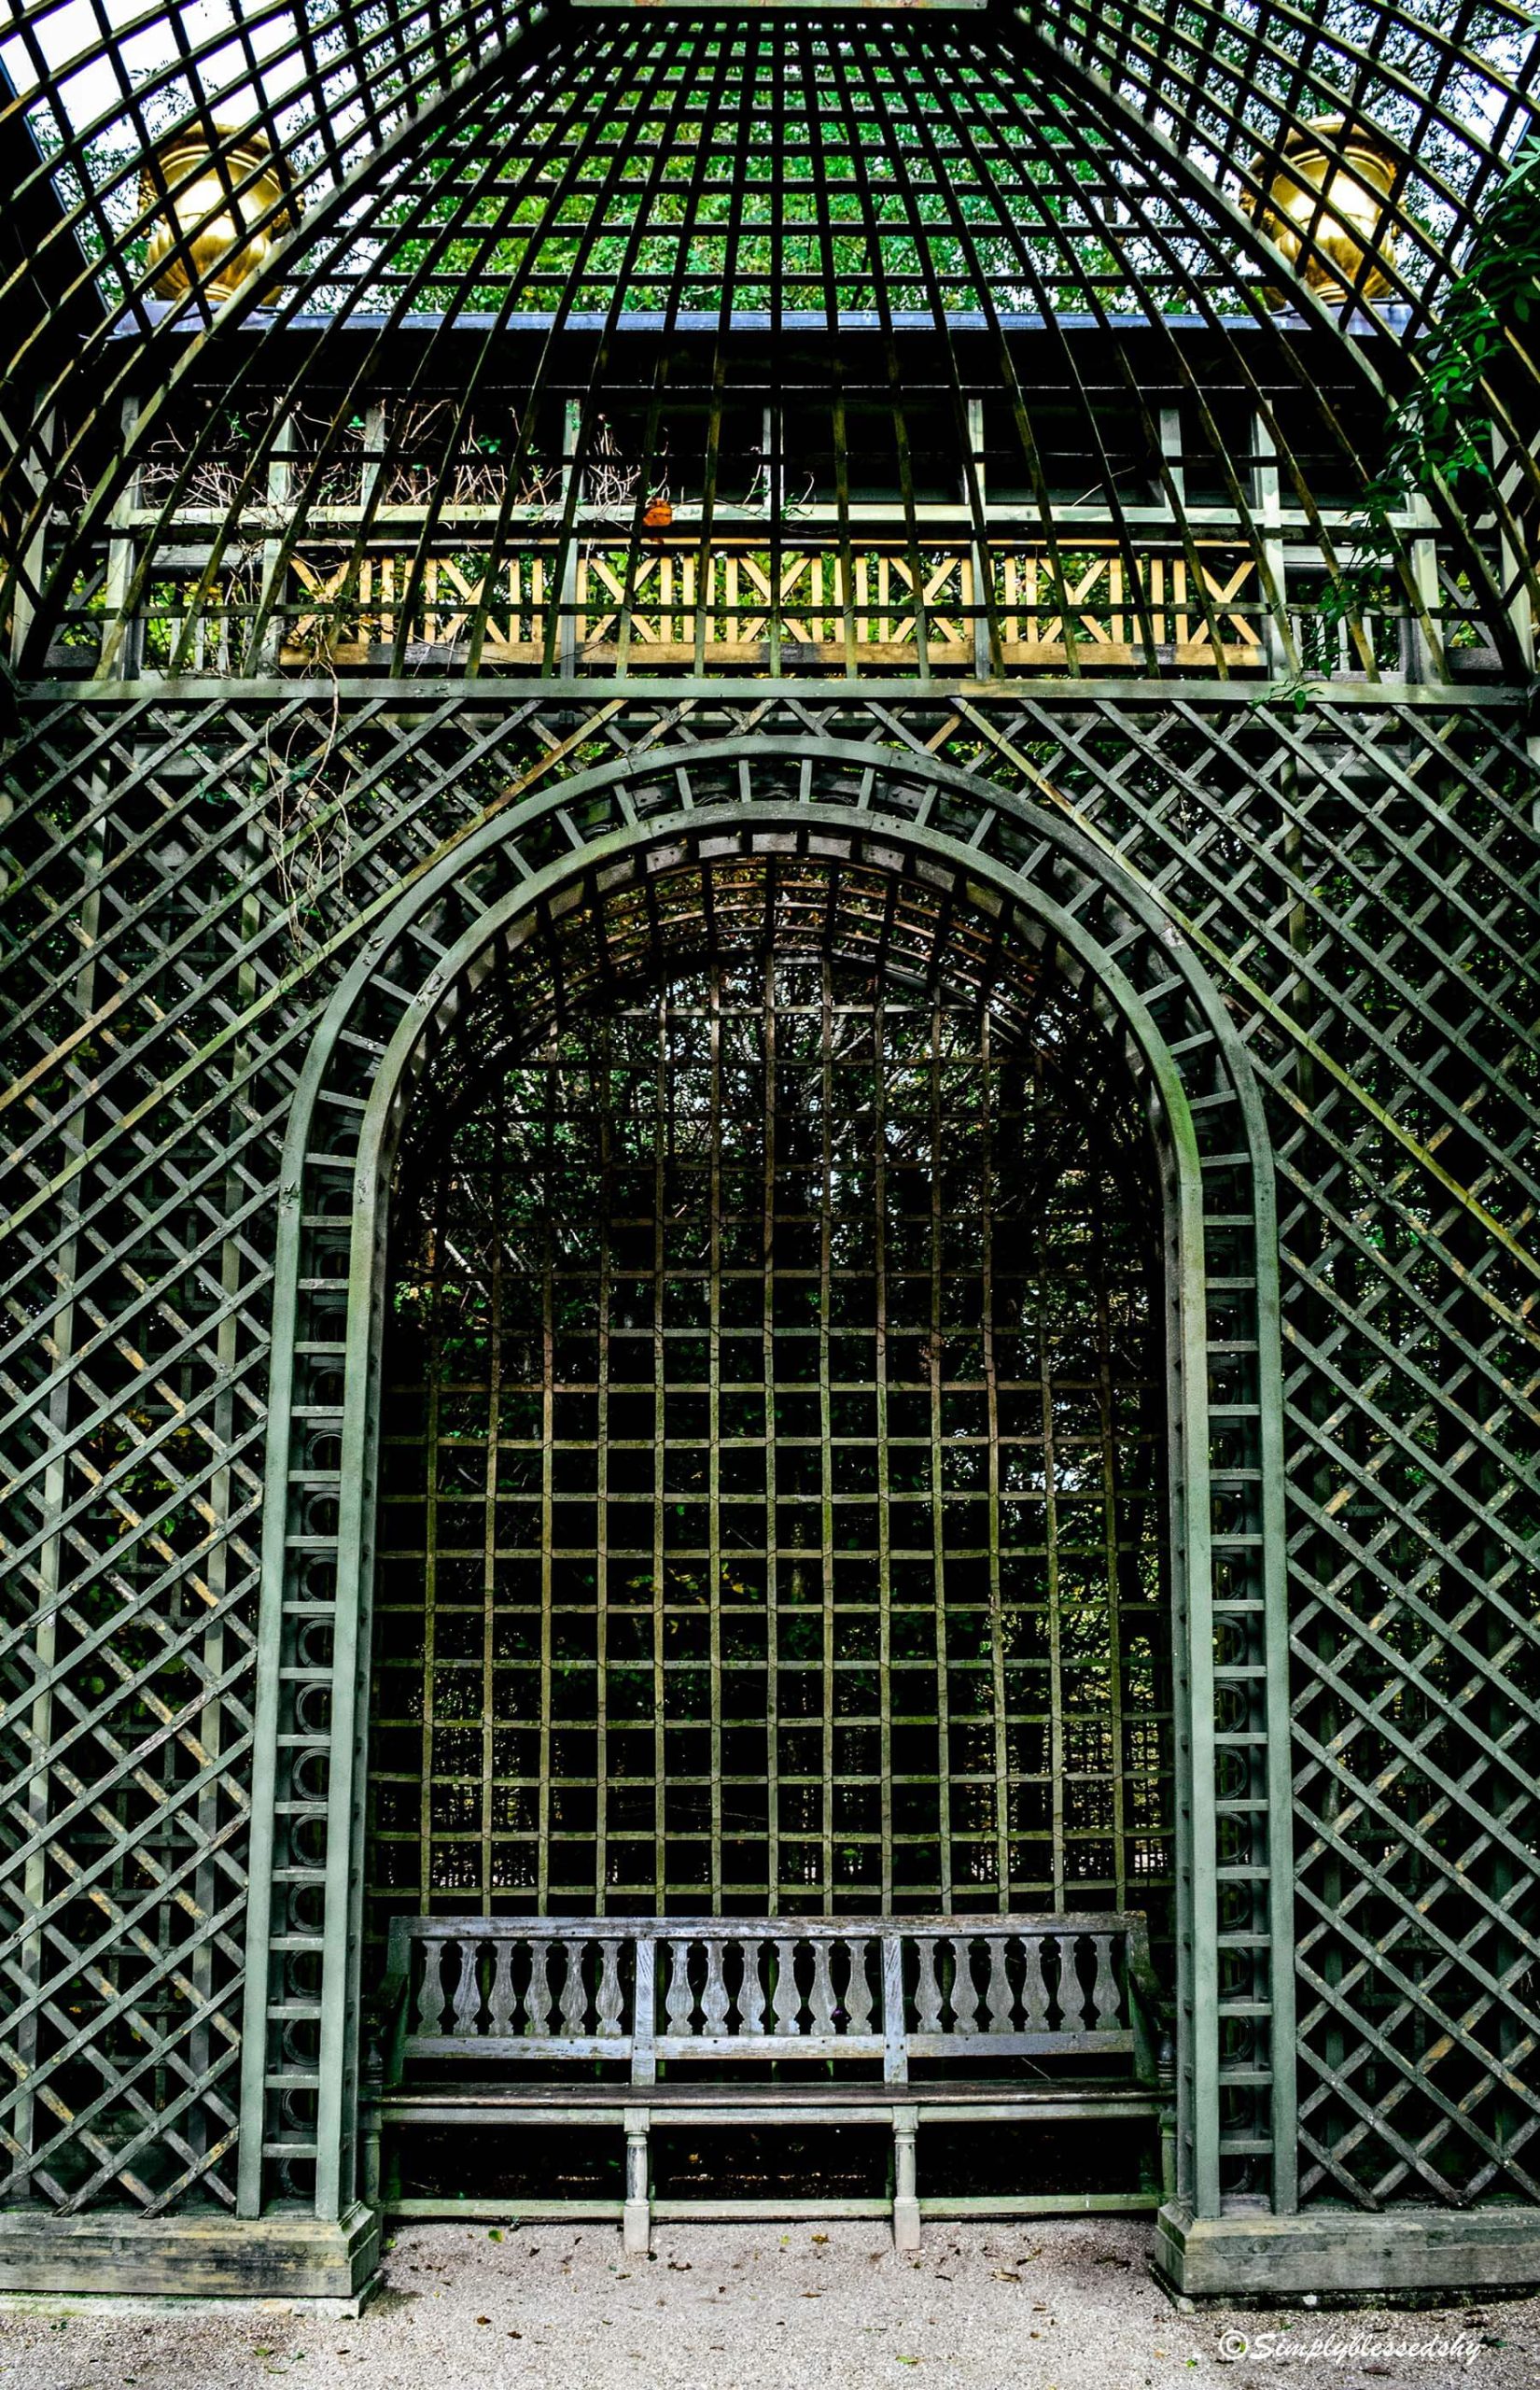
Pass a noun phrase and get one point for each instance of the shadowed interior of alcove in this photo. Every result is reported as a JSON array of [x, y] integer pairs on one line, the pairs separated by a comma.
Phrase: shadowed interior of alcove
[[772, 1507]]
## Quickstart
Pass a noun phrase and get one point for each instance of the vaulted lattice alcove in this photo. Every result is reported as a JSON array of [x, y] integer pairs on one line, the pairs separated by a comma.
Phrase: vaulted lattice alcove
[[771, 1519], [773, 1435]]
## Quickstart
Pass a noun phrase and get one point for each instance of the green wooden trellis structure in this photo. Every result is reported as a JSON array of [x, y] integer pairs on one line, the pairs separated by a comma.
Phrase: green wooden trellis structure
[[929, 495]]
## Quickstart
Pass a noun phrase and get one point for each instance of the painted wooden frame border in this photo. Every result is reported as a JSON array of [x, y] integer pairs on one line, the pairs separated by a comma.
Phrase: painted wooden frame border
[[1199, 1990]]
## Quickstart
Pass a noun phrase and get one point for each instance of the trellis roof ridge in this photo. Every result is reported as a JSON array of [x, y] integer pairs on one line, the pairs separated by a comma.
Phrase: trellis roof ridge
[[1362, 324]]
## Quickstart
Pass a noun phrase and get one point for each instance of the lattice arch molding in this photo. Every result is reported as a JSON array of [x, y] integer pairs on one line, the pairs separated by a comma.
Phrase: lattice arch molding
[[1051, 886]]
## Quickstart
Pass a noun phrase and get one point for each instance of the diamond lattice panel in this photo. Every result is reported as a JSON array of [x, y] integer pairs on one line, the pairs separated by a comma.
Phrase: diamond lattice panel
[[188, 879]]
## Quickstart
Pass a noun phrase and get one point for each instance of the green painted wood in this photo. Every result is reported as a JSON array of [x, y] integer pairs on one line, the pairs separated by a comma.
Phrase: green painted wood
[[1337, 2250], [442, 976], [192, 2257], [1383, 1962]]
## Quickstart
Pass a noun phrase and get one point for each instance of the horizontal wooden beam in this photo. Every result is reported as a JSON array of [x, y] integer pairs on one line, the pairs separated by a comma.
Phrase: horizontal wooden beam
[[1340, 2249], [191, 2256]]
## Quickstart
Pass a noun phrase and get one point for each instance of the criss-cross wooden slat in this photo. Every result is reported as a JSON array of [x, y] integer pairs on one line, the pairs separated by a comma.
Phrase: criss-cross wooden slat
[[882, 437]]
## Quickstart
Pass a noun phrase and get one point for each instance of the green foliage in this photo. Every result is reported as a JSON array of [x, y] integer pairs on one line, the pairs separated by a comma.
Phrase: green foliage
[[1440, 432]]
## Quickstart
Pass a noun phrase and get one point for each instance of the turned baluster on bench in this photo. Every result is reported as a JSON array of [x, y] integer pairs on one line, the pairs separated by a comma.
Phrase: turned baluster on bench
[[787, 1998], [1106, 1996], [608, 1999], [821, 1994], [1034, 1986], [537, 1994], [500, 2000], [964, 1996], [752, 2002], [680, 2006], [468, 1991], [431, 1999], [715, 2001], [927, 1984], [998, 1996], [574, 2000], [858, 1991], [1072, 1991]]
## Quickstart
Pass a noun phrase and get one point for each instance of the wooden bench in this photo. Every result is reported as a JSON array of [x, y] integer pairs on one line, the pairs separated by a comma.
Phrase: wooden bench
[[642, 2023]]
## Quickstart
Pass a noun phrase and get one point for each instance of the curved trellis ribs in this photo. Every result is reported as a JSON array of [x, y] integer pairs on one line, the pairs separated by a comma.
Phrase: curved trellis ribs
[[576, 178]]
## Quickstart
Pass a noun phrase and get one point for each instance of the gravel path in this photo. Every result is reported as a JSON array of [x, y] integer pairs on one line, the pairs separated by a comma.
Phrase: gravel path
[[1062, 2306]]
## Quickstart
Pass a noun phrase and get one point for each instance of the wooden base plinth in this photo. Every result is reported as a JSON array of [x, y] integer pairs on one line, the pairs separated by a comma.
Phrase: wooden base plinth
[[194, 2257], [1330, 2251]]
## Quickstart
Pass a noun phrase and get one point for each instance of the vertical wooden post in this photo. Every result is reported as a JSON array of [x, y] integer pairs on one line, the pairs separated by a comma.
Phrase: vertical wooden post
[[33, 561], [122, 655], [1278, 643], [270, 626], [982, 560], [644, 2060], [637, 2227], [905, 2203], [566, 576], [895, 2058]]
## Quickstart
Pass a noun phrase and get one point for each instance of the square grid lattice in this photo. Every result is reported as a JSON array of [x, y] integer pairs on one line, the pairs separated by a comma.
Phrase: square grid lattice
[[769, 1510]]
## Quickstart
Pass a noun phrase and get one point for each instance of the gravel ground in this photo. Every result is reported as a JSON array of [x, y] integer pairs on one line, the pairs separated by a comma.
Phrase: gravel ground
[[1062, 2306]]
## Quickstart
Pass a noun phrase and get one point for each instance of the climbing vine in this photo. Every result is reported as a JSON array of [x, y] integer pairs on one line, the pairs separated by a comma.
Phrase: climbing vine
[[1440, 430]]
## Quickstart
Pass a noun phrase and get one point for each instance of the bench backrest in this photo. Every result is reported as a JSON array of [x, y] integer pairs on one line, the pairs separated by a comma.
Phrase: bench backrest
[[645, 1989]]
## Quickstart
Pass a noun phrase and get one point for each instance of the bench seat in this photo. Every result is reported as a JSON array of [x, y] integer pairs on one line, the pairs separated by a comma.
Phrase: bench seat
[[978, 2021]]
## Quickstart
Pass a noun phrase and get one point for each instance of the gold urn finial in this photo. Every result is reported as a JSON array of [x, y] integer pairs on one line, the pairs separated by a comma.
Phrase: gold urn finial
[[231, 202], [1327, 208]]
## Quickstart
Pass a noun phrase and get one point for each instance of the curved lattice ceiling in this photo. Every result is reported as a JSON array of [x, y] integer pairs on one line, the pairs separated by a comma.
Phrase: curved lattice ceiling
[[1447, 88], [456, 172]]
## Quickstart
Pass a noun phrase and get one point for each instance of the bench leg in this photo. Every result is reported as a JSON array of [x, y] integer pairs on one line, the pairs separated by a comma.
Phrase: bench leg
[[1167, 2152], [370, 2157], [637, 2227], [905, 2203]]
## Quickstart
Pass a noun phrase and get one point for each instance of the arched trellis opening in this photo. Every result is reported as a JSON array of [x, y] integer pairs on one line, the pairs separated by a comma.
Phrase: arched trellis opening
[[625, 826], [774, 1425]]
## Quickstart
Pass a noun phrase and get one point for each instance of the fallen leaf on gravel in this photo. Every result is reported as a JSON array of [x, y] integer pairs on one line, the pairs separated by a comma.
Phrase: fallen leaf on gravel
[[904, 2360], [820, 2238], [1004, 2273], [681, 2266], [483, 2319], [812, 2294], [494, 2234]]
